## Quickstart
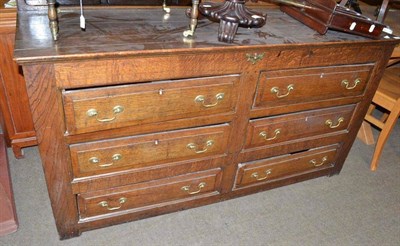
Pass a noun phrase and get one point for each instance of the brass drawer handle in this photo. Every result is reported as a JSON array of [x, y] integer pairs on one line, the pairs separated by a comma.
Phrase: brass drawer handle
[[257, 176], [254, 58], [346, 83], [95, 160], [194, 146], [104, 204], [94, 113], [199, 187], [201, 99], [263, 134], [331, 125], [323, 160], [275, 90]]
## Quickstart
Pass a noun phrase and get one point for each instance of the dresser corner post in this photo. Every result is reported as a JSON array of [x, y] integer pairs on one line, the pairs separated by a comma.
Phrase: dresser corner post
[[47, 112], [362, 106]]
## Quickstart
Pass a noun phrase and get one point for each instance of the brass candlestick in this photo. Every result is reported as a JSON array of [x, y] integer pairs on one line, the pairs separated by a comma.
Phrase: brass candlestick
[[53, 19]]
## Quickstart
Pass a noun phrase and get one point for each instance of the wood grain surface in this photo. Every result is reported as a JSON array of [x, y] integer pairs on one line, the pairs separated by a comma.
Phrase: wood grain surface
[[143, 31]]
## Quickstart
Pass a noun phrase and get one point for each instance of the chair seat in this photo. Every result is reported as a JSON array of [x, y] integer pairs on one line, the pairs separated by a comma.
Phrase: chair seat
[[389, 87]]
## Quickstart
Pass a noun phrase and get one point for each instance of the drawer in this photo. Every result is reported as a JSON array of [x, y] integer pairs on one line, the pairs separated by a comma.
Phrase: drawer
[[88, 110], [299, 86], [278, 129], [147, 151], [149, 195], [285, 166]]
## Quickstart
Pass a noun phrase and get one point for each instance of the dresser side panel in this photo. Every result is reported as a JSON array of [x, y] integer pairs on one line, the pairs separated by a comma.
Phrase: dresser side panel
[[46, 105], [362, 107]]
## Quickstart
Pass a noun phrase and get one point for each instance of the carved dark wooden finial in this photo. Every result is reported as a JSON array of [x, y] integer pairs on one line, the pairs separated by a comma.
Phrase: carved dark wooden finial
[[232, 14]]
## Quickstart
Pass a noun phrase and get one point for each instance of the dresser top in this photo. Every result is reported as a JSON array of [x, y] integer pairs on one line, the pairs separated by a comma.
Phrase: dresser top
[[114, 32]]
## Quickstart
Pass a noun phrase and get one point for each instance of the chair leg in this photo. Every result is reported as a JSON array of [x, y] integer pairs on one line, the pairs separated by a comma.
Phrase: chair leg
[[371, 108], [383, 136], [365, 133], [384, 117]]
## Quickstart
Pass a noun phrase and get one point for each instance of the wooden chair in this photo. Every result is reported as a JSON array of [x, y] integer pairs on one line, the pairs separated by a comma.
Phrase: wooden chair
[[387, 97]]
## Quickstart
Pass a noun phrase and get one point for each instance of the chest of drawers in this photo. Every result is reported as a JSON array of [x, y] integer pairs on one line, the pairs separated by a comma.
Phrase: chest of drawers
[[140, 125]]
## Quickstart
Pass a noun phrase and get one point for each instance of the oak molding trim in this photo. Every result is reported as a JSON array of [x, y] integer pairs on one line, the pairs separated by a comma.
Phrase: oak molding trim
[[8, 19]]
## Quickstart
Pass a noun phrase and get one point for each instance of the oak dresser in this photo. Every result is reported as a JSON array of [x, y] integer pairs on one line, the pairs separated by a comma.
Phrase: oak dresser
[[133, 120]]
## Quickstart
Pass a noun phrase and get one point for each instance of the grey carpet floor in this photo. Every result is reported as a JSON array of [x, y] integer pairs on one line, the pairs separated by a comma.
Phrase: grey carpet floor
[[356, 207]]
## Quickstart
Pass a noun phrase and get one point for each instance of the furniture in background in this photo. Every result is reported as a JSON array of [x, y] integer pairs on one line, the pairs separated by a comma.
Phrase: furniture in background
[[8, 215], [135, 121], [15, 115], [322, 15], [386, 100]]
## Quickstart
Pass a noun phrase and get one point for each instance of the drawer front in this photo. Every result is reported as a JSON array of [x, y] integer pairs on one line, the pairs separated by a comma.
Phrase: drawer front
[[279, 129], [285, 166], [148, 150], [283, 87], [97, 109], [155, 193]]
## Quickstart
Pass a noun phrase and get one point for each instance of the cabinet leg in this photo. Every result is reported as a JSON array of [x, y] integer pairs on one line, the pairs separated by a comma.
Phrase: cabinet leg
[[18, 151], [69, 234], [18, 145]]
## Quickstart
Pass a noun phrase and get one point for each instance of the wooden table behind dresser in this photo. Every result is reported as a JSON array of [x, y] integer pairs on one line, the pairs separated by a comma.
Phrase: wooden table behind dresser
[[133, 120], [15, 115]]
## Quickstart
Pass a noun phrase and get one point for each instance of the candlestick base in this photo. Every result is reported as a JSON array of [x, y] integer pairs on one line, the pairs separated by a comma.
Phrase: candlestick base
[[231, 14]]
